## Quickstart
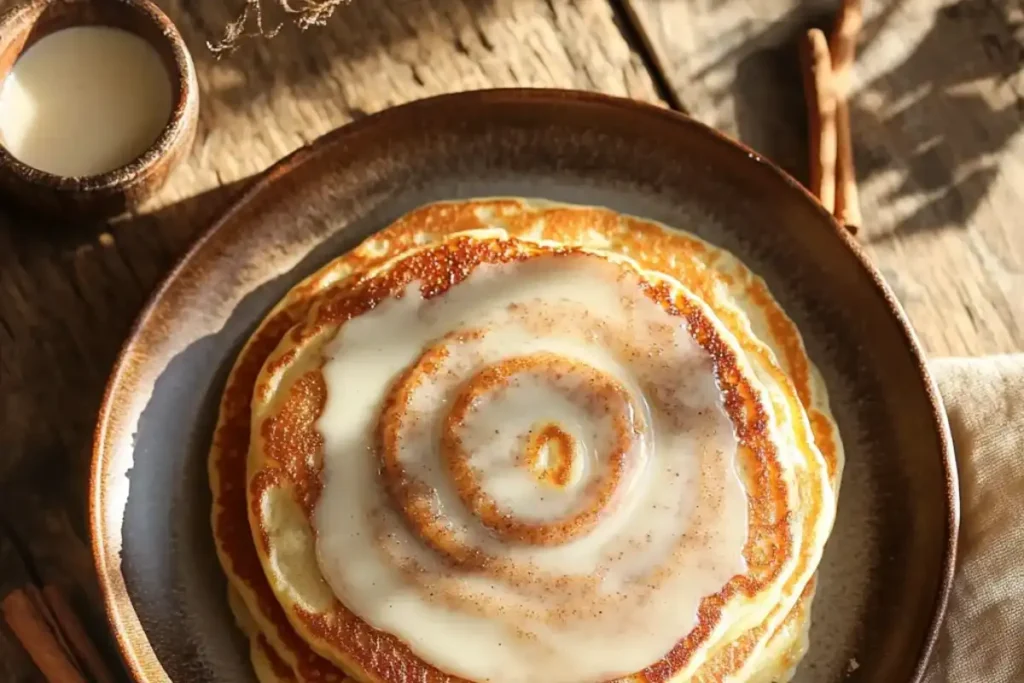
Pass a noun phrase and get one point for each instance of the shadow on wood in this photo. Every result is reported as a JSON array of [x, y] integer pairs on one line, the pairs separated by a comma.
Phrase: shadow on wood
[[56, 555], [371, 55], [393, 39], [948, 136], [68, 296], [768, 92], [917, 121]]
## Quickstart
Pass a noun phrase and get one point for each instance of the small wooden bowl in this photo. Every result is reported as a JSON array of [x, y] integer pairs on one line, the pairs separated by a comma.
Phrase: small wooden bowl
[[125, 187]]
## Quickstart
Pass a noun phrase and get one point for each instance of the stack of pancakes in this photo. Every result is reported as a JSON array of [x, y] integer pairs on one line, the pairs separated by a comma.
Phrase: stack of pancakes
[[512, 441]]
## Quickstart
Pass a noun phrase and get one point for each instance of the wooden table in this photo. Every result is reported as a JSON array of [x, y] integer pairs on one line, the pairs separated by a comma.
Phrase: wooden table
[[937, 118]]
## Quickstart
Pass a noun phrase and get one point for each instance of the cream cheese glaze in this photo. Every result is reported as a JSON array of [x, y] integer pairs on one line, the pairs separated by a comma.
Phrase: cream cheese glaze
[[530, 476], [576, 430]]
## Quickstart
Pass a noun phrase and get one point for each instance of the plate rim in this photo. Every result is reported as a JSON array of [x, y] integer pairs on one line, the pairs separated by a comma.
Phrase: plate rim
[[132, 641]]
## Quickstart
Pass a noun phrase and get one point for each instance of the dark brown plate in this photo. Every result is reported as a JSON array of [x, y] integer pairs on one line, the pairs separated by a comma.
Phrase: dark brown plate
[[888, 565]]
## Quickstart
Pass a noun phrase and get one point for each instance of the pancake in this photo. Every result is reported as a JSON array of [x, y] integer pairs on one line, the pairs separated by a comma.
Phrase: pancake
[[227, 465], [745, 624], [266, 663]]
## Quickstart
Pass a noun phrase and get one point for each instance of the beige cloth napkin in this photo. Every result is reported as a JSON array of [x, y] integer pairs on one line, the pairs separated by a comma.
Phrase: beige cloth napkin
[[982, 640]]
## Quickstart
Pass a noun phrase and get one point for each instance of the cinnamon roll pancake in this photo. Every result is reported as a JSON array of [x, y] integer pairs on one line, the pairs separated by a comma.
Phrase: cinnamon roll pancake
[[507, 440], [266, 663]]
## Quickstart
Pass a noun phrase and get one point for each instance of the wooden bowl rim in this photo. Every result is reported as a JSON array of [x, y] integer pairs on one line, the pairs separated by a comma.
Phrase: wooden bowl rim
[[185, 104]]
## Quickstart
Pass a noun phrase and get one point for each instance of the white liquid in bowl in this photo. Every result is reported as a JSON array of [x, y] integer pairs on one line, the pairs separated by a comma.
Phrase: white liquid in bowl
[[84, 101]]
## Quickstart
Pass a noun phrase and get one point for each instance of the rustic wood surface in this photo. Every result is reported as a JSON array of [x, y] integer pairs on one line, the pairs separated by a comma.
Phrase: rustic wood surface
[[936, 113], [937, 122]]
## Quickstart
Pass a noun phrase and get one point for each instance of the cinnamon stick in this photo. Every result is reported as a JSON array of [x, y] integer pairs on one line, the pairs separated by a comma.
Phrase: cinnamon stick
[[43, 620], [819, 90], [843, 45], [39, 603], [31, 629], [74, 632]]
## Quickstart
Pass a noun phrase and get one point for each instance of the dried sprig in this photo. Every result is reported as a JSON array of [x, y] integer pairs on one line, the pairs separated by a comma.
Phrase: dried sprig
[[304, 14]]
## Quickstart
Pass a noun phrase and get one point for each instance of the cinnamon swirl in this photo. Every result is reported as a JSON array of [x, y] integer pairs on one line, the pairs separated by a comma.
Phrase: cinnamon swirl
[[512, 441]]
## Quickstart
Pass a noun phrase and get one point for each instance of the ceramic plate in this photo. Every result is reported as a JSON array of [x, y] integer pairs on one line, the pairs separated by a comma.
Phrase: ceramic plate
[[888, 566]]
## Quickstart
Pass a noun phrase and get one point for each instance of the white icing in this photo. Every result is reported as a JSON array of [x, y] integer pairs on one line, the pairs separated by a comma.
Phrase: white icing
[[606, 602]]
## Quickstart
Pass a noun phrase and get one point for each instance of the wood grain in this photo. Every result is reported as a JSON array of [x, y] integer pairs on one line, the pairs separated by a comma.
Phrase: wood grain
[[936, 111], [68, 294]]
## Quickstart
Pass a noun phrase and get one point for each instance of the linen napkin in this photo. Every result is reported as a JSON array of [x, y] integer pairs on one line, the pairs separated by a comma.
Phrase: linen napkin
[[982, 640]]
